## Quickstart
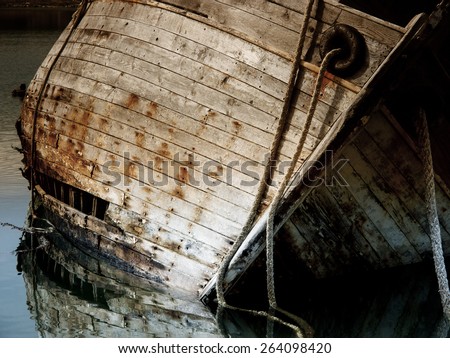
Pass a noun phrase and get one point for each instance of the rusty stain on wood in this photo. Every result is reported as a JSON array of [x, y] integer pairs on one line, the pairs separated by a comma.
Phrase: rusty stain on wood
[[132, 101], [152, 108]]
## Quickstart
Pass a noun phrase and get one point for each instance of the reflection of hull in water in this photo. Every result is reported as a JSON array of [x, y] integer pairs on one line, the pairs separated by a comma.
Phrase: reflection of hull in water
[[73, 295], [70, 294]]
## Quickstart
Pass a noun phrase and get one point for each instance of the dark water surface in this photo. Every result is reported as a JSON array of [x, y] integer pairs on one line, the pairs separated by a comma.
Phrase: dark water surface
[[59, 291], [21, 52]]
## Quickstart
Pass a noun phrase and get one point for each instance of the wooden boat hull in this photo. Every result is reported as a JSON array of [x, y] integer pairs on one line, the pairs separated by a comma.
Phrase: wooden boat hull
[[148, 125], [373, 215]]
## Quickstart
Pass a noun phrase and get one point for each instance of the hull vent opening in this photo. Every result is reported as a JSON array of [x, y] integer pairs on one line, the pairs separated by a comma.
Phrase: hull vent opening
[[74, 197]]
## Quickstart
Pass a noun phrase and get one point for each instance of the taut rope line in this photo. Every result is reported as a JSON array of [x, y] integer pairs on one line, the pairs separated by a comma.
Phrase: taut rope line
[[432, 215], [264, 185], [273, 153], [280, 192]]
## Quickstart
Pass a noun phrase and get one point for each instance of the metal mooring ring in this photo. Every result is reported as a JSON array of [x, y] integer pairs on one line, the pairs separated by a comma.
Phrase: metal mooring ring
[[352, 45]]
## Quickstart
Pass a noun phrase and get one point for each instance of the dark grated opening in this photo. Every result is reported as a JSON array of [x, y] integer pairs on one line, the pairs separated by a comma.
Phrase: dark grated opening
[[76, 198]]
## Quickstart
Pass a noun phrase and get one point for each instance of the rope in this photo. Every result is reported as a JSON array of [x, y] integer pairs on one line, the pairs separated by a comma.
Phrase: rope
[[268, 167], [280, 192], [76, 20], [442, 328], [432, 215], [274, 205], [270, 222], [31, 229]]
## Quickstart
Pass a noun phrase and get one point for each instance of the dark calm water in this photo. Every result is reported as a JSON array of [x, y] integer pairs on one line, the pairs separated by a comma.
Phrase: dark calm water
[[21, 52], [62, 292]]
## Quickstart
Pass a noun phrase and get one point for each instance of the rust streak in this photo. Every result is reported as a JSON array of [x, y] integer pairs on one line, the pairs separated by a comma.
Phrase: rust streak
[[132, 101], [197, 214], [140, 138], [85, 118], [164, 151], [327, 79], [237, 126], [183, 175], [158, 163], [178, 192], [152, 107]]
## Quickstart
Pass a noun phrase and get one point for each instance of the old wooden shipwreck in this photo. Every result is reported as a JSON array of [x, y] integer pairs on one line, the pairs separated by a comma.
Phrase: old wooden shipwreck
[[147, 130]]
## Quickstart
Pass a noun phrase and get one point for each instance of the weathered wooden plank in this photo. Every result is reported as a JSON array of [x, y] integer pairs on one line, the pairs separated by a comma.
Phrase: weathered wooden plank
[[362, 223], [173, 219], [329, 13], [371, 205], [329, 229], [212, 124], [120, 97], [161, 68], [303, 249], [162, 39], [171, 257], [200, 214], [165, 124], [205, 173], [104, 152], [272, 12], [363, 254], [303, 106], [382, 190], [269, 107], [122, 255], [332, 93], [408, 164], [264, 32], [217, 39], [143, 106], [163, 236], [409, 198], [271, 33], [74, 178], [317, 238], [379, 30], [230, 159], [333, 10], [185, 47], [324, 113], [161, 59], [80, 83]]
